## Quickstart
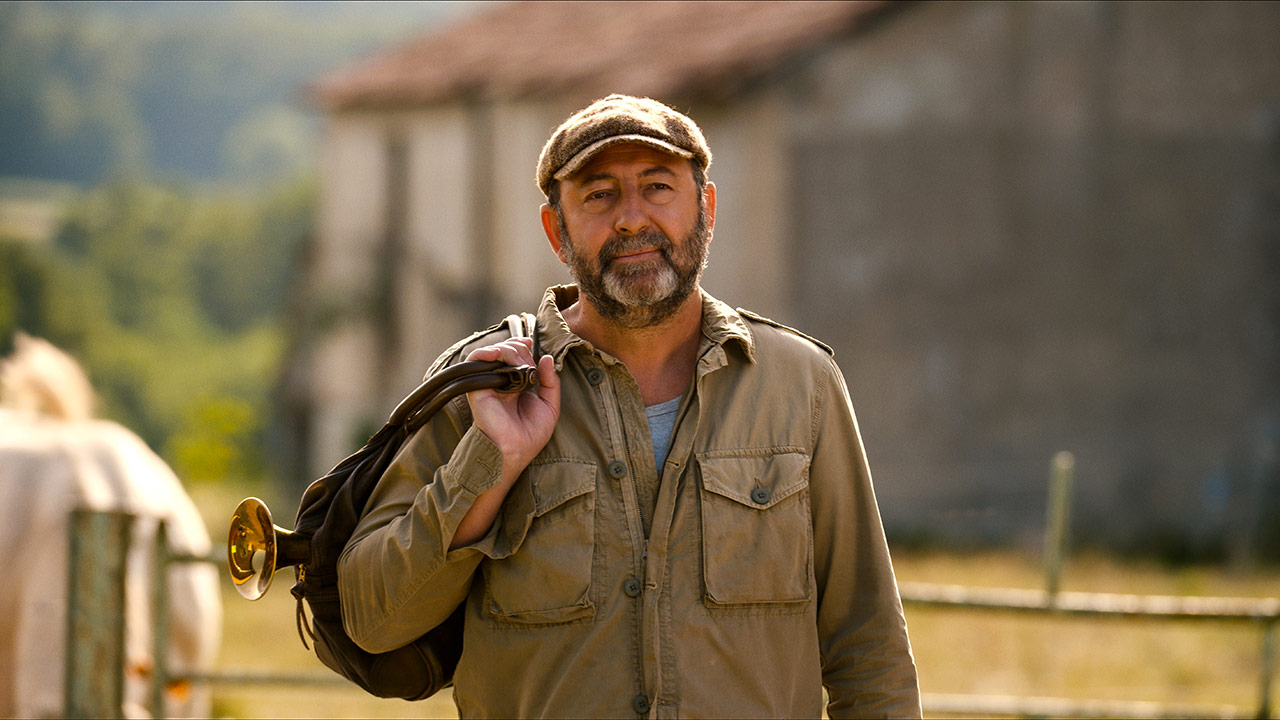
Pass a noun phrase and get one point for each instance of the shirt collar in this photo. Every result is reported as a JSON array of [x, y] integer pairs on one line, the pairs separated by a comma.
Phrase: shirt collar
[[721, 324], [557, 339]]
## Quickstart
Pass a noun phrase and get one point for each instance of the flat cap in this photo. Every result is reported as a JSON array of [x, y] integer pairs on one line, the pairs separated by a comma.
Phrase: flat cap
[[619, 119]]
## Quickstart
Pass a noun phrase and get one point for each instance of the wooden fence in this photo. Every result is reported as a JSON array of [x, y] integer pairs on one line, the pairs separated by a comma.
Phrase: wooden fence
[[1262, 613]]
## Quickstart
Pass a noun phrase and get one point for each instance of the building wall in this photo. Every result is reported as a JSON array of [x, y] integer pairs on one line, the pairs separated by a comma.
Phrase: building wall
[[342, 272], [749, 262], [1030, 227]]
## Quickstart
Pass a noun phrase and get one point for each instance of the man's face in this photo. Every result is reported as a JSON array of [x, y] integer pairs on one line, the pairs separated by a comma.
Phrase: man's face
[[618, 217]]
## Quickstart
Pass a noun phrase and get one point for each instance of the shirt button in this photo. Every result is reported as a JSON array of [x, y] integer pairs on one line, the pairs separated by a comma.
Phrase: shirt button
[[595, 376], [640, 704], [617, 469], [632, 587], [761, 496]]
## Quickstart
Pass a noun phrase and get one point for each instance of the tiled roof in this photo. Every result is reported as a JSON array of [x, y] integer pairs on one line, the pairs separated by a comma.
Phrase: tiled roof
[[522, 49]]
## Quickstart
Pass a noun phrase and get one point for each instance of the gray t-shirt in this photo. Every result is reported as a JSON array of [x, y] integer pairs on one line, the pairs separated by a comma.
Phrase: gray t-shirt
[[662, 421]]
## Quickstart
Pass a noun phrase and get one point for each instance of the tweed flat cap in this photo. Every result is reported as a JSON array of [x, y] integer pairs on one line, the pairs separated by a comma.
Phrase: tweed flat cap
[[619, 119]]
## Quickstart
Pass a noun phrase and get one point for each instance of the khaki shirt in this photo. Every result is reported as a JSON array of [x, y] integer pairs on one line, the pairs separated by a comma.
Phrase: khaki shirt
[[738, 580]]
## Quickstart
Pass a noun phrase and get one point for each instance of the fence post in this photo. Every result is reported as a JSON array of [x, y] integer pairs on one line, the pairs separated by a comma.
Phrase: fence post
[[1057, 522], [159, 620], [94, 679], [1268, 668]]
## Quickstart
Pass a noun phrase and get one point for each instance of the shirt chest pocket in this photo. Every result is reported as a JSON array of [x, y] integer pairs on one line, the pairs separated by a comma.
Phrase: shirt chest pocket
[[757, 535], [548, 578]]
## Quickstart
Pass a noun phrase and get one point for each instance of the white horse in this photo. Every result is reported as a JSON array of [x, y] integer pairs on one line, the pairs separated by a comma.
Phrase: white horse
[[54, 458]]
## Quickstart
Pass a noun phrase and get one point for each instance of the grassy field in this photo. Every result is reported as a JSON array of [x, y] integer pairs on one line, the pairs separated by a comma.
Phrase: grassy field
[[1183, 662], [957, 651]]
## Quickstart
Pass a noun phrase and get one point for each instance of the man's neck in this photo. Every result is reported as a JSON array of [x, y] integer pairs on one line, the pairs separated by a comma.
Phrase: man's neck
[[661, 358]]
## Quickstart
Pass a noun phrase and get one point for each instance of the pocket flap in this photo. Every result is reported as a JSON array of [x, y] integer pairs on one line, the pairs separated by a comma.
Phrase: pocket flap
[[556, 483], [757, 481]]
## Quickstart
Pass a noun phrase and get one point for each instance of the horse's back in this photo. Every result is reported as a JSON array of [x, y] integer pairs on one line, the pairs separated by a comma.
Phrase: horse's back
[[47, 468]]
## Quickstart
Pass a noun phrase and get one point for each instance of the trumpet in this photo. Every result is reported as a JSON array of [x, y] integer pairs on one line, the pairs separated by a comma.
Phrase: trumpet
[[257, 547]]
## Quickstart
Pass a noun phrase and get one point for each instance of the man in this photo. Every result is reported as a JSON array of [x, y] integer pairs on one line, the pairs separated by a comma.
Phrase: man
[[680, 520]]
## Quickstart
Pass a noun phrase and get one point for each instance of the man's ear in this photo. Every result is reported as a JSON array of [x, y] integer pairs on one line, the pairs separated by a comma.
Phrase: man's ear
[[709, 202], [551, 226]]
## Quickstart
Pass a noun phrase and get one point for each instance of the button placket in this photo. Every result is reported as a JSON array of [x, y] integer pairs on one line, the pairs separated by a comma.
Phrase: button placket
[[622, 469]]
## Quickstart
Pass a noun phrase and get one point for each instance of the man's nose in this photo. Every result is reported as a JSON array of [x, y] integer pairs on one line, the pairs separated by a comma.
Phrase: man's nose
[[632, 218]]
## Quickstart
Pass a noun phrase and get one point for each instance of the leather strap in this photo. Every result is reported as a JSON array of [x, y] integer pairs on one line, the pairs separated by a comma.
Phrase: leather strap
[[415, 410]]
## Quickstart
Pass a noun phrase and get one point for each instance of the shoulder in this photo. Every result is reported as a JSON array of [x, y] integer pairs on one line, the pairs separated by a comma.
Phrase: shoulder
[[770, 337]]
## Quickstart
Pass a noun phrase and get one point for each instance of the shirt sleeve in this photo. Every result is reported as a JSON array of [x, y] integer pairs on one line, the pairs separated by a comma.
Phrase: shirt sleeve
[[397, 577], [868, 668]]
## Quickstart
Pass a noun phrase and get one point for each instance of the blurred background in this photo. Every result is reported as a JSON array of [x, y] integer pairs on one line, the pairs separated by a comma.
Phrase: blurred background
[[1023, 227]]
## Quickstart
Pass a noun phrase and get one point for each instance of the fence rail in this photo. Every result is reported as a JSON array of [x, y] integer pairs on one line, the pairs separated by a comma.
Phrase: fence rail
[[1264, 612], [1040, 707], [268, 677], [242, 676], [1148, 607]]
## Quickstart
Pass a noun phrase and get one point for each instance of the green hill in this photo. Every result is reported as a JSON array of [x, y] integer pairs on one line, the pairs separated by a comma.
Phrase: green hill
[[190, 91]]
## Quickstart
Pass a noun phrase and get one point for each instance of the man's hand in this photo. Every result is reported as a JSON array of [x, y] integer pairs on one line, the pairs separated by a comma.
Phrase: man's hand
[[520, 424]]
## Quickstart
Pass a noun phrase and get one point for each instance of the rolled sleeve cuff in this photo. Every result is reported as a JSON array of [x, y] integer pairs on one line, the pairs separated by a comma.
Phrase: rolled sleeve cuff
[[476, 465], [476, 468]]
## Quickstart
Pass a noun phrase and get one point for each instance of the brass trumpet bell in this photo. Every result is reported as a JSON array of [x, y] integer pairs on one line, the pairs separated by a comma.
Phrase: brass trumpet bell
[[257, 547]]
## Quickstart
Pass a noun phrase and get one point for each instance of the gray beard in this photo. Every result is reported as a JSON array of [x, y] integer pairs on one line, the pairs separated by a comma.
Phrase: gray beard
[[645, 294]]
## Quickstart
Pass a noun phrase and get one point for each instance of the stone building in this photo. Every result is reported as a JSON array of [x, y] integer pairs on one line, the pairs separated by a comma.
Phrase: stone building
[[1024, 228]]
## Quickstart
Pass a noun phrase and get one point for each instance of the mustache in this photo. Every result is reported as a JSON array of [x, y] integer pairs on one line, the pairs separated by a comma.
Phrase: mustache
[[620, 245]]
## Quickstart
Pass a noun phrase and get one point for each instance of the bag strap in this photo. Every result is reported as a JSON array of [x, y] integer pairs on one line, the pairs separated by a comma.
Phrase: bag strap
[[525, 325], [436, 391]]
